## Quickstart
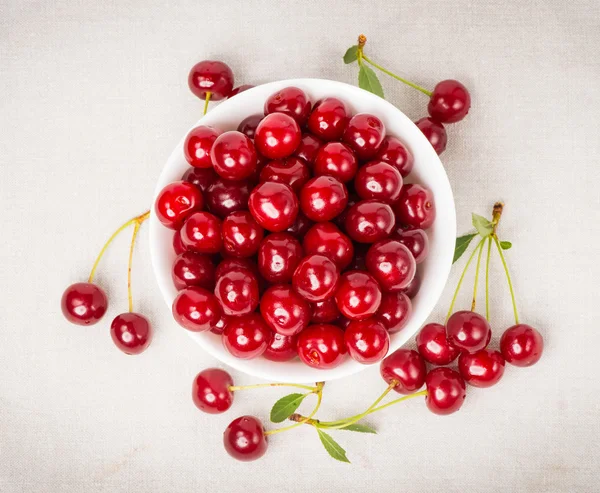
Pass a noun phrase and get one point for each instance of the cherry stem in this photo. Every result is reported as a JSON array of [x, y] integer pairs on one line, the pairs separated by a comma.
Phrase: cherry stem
[[206, 100], [319, 392], [510, 285], [392, 74], [136, 228], [487, 280], [474, 302], [234, 388]]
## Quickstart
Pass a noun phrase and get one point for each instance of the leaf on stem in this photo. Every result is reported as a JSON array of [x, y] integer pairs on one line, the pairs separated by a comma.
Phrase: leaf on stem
[[360, 428], [351, 54], [368, 80], [333, 448], [285, 407], [505, 245], [482, 225], [461, 245]]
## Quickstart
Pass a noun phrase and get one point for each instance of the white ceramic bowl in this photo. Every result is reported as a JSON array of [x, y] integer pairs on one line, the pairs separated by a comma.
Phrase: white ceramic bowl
[[428, 170]]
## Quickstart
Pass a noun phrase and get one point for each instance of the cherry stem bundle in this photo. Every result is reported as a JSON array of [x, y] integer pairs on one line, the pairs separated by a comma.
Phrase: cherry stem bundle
[[474, 302], [487, 280], [319, 391], [510, 285]]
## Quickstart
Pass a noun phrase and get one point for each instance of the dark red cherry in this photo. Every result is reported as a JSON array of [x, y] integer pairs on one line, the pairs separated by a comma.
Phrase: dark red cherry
[[481, 369], [203, 178], [198, 144], [378, 180], [315, 278], [367, 340], [434, 346], [392, 264], [326, 239], [131, 332], [324, 312], [468, 331], [278, 256], [220, 324], [84, 303], [237, 292], [434, 132], [277, 136], [196, 309], [322, 346], [193, 269], [273, 205], [522, 345], [233, 156], [328, 119], [178, 246], [211, 76], [416, 240], [176, 202], [369, 221], [358, 295], [407, 368], [241, 234], [292, 171], [201, 233], [246, 337], [238, 89], [226, 196], [450, 101], [244, 439], [229, 264], [323, 198], [281, 348], [394, 152], [416, 207], [284, 310], [291, 101], [248, 125], [413, 288], [364, 134], [301, 226], [337, 160], [308, 148], [446, 391], [394, 311], [210, 391]]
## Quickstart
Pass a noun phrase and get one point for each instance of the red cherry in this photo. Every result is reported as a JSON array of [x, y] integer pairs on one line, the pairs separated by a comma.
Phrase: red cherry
[[328, 119], [211, 76], [434, 346], [359, 259], [337, 160], [522, 345], [301, 226], [246, 337], [394, 152], [434, 132], [315, 278], [326, 239], [392, 264], [193, 269], [358, 295], [468, 331], [220, 324], [364, 134], [416, 240], [210, 391], [273, 205], [446, 391], [322, 346], [340, 220], [196, 309], [415, 207], [278, 256], [284, 310], [413, 288], [308, 148], [394, 311], [131, 332], [198, 144], [292, 171], [226, 196], [233, 156], [407, 368], [450, 102], [201, 232], [367, 340], [84, 303], [176, 202], [230, 264], [291, 101], [369, 221], [378, 180], [178, 246], [248, 125], [241, 234], [281, 348], [277, 136], [244, 439], [238, 89], [323, 198], [237, 292], [481, 369], [324, 312], [203, 178]]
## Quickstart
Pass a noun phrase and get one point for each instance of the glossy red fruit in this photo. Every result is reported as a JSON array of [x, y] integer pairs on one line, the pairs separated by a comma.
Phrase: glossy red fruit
[[481, 369], [131, 332], [358, 295], [246, 337], [178, 246], [413, 288], [416, 207], [522, 345], [233, 156], [291, 101], [201, 233], [202, 178], [198, 144], [248, 125], [337, 160], [226, 196], [324, 312], [196, 309], [392, 264], [364, 134], [323, 198], [84, 303], [434, 346], [308, 148], [326, 239], [220, 325], [394, 311], [367, 340], [315, 278], [230, 264], [210, 391], [378, 180], [468, 331], [328, 119], [446, 391], [238, 89], [301, 226], [211, 76], [434, 132], [450, 101], [241, 234], [322, 346], [277, 136], [274, 206], [176, 202], [369, 221], [292, 171], [407, 368], [193, 269], [281, 348], [278, 256], [237, 292], [394, 152], [284, 310], [244, 439], [416, 240]]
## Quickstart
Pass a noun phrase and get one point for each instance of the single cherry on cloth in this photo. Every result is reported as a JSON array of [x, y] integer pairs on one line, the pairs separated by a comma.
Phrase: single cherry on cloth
[[84, 303], [394, 311], [394, 152], [196, 309], [316, 278], [392, 264], [368, 341], [416, 240], [291, 101], [248, 125], [211, 76], [178, 246], [337, 160], [328, 119], [241, 234], [481, 369], [292, 171], [446, 391], [284, 310], [193, 269], [244, 439], [226, 196], [281, 348], [468, 331], [378, 180], [278, 256], [176, 202], [364, 134], [327, 239], [369, 221], [273, 205], [237, 292], [434, 346], [434, 132], [416, 207], [322, 346], [308, 148], [246, 337], [238, 89], [277, 136], [301, 226], [407, 368], [201, 233], [233, 156], [203, 178], [522, 345], [324, 312], [323, 198], [210, 391], [450, 101], [198, 144], [131, 332], [358, 295]]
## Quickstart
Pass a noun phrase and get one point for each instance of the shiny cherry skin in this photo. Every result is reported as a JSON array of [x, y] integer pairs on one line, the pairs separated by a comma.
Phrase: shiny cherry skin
[[281, 348], [131, 332], [323, 198], [219, 326], [292, 171], [394, 311], [211, 76], [328, 119], [238, 89], [84, 303], [364, 134], [337, 160], [434, 132], [196, 309], [248, 125], [316, 278], [481, 369], [322, 346], [210, 391], [233, 156], [203, 178], [284, 310], [193, 269], [369, 221], [225, 196], [232, 263], [413, 288], [198, 144], [324, 312], [394, 152], [241, 234], [416, 240], [201, 233], [340, 219], [277, 136], [176, 202], [358, 295], [446, 391], [468, 331], [244, 439], [178, 246], [392, 264], [367, 341], [246, 337], [407, 368], [308, 148], [378, 180], [291, 101], [522, 345], [278, 256], [327, 239], [273, 205], [237, 292], [450, 101], [434, 346], [301, 226], [416, 207]]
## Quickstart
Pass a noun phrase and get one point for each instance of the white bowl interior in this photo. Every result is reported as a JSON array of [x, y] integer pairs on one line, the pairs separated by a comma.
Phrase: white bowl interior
[[428, 170]]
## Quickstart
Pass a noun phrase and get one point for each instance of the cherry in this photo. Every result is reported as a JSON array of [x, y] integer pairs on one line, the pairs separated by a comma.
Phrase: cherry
[[220, 324], [367, 340], [273, 205], [323, 198], [201, 232], [237, 292], [196, 309], [358, 295], [226, 196], [481, 369], [233, 156], [407, 368], [84, 303], [522, 345], [450, 101], [434, 132], [284, 310], [301, 226], [203, 178], [392, 264], [326, 239], [413, 288], [416, 240], [468, 331], [394, 152], [246, 337], [378, 180], [131, 332], [359, 259], [238, 89], [446, 391], [212, 77], [193, 269], [248, 125], [322, 346], [281, 348], [369, 221], [308, 148], [328, 119], [434, 346], [337, 160], [291, 101], [340, 220], [210, 391], [178, 245], [278, 256], [394, 311], [292, 171], [230, 264], [415, 207], [324, 312], [198, 144], [241, 234], [244, 439], [277, 136], [315, 278], [176, 202], [364, 134]]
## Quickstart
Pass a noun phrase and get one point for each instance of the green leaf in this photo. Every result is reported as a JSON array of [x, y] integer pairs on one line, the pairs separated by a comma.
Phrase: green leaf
[[483, 226], [333, 448], [505, 245], [351, 54], [360, 428], [367, 80], [461, 245], [285, 407]]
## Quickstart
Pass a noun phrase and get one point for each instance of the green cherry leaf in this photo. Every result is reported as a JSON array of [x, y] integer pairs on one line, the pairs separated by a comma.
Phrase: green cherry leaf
[[505, 245], [333, 448], [461, 245], [360, 428], [367, 80], [351, 54], [285, 407], [482, 225]]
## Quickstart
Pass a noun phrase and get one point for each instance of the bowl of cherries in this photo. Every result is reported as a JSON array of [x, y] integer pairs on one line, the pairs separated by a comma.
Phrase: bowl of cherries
[[302, 230]]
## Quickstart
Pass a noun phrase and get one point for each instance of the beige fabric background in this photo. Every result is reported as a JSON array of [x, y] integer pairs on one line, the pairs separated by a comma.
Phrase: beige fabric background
[[93, 98]]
